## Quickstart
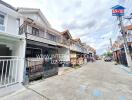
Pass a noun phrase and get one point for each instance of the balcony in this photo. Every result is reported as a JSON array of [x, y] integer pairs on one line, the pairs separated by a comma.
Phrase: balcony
[[36, 34], [78, 48]]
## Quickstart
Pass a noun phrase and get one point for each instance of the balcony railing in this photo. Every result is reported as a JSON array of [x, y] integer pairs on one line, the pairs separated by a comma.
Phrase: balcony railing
[[43, 34], [27, 29]]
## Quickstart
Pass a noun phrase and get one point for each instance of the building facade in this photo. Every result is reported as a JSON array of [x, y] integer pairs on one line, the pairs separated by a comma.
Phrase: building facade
[[41, 43], [30, 48], [119, 54], [12, 46]]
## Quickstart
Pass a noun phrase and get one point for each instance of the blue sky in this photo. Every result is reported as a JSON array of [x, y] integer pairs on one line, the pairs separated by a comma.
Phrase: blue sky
[[91, 20]]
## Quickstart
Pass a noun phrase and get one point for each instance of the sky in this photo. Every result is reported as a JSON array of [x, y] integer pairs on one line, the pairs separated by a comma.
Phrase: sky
[[90, 20]]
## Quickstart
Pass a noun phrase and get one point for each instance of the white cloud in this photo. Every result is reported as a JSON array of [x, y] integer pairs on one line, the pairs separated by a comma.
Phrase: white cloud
[[89, 20]]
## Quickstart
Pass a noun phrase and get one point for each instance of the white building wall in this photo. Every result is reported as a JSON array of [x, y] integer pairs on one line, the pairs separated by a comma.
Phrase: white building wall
[[11, 38], [11, 22], [65, 54], [12, 26], [35, 17], [21, 53]]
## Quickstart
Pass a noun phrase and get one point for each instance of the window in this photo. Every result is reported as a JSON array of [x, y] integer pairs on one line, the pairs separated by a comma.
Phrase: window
[[51, 37], [2, 17], [2, 22], [35, 31]]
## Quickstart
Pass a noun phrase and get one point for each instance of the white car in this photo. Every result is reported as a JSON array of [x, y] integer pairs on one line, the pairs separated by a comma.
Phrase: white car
[[107, 59]]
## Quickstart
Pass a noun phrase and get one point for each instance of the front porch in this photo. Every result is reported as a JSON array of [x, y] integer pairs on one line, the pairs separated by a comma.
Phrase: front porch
[[9, 70], [39, 58], [64, 56], [11, 60], [78, 58]]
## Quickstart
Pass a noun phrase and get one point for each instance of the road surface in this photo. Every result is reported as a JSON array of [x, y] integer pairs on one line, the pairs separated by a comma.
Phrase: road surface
[[94, 81]]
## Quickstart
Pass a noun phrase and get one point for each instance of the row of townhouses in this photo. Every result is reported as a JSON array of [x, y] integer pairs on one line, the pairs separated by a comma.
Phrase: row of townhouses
[[119, 54], [30, 47]]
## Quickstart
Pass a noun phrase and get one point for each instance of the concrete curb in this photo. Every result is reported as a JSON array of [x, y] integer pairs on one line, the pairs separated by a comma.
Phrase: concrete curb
[[129, 72], [126, 69]]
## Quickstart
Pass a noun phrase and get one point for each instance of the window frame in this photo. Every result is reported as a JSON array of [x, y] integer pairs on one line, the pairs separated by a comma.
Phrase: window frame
[[35, 31], [3, 19]]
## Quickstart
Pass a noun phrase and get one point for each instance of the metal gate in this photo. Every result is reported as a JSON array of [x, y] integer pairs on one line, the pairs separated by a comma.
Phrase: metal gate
[[8, 70], [40, 68], [34, 68]]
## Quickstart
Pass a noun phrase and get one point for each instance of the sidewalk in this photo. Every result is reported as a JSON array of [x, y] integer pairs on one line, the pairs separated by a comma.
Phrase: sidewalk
[[26, 91], [19, 92], [63, 70], [126, 69], [10, 90]]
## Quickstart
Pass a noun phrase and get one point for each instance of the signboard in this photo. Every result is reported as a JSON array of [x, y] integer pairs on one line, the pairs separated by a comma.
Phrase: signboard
[[118, 10]]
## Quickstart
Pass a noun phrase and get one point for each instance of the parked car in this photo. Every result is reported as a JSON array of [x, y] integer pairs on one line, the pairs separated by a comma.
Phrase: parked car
[[107, 59]]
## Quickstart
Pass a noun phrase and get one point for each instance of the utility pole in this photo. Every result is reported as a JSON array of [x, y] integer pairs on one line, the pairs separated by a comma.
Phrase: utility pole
[[119, 12], [127, 52], [111, 44]]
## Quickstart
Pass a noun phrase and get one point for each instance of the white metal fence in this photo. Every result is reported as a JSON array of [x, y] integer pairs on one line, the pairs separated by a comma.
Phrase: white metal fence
[[8, 70]]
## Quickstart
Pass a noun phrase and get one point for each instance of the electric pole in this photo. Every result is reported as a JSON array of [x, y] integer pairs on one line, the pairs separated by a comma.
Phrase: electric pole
[[127, 52], [118, 11], [111, 44]]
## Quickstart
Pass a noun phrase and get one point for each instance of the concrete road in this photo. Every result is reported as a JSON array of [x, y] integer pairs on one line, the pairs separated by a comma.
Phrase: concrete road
[[94, 81]]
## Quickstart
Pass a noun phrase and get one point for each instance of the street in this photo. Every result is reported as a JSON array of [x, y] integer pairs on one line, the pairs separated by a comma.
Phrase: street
[[95, 81]]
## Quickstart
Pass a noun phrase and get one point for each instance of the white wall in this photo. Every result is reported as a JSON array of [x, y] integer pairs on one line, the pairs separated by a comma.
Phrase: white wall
[[35, 17], [19, 50], [11, 22], [66, 54], [12, 26], [16, 44]]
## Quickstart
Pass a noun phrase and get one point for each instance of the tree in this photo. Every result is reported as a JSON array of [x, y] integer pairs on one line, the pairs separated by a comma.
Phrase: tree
[[108, 54]]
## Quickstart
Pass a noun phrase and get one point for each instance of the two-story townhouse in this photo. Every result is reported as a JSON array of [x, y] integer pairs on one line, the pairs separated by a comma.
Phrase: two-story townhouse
[[118, 49], [78, 52], [89, 53], [26, 33], [12, 46], [43, 42], [119, 54], [92, 52], [85, 52], [73, 54], [64, 48], [129, 37]]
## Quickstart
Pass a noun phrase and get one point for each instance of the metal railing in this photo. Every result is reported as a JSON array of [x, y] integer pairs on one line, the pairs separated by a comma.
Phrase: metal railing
[[8, 70]]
